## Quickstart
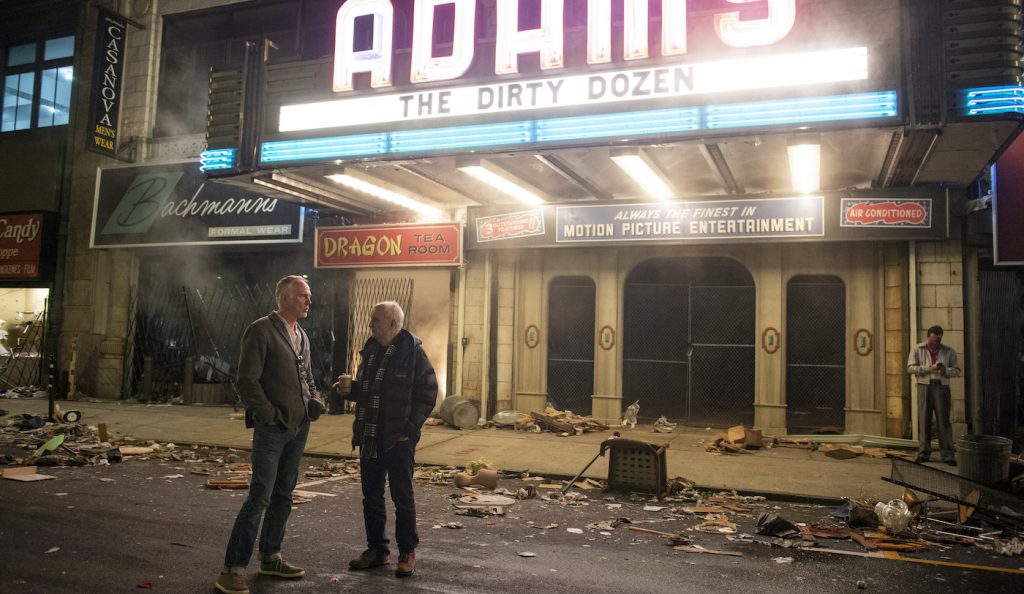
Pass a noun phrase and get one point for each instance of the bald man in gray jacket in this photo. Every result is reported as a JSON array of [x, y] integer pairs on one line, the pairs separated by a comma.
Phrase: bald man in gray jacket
[[275, 381]]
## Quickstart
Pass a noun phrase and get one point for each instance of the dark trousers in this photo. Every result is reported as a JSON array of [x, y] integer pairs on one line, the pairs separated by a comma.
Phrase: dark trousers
[[396, 466], [934, 397], [276, 453]]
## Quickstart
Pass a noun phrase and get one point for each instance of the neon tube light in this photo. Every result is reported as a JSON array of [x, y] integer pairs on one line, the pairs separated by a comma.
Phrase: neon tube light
[[635, 124]]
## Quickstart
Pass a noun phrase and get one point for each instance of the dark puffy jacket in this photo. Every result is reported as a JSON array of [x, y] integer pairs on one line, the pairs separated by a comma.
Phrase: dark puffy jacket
[[270, 380], [407, 396]]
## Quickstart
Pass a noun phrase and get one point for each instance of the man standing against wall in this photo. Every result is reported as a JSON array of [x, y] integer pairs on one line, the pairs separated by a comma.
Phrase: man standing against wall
[[932, 364], [395, 389], [275, 382]]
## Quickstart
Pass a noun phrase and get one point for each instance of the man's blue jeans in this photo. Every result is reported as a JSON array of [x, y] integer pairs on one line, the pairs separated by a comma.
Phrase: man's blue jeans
[[396, 465], [276, 452]]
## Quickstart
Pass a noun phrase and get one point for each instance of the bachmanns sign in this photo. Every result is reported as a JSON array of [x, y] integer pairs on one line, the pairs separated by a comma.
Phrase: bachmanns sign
[[551, 54]]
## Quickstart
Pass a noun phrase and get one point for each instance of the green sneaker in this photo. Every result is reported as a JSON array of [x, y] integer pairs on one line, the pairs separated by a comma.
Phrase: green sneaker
[[406, 564], [232, 582], [281, 568]]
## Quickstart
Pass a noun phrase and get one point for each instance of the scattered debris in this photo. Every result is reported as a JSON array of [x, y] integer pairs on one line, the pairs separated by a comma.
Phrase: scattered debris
[[895, 515], [700, 549], [841, 451], [227, 484], [629, 416], [566, 422], [716, 524], [1009, 547], [677, 538], [662, 425], [736, 440], [490, 504], [484, 477], [770, 524], [511, 418], [24, 474]]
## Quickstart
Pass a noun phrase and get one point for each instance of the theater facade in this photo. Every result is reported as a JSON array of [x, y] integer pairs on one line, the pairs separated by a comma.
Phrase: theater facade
[[741, 211]]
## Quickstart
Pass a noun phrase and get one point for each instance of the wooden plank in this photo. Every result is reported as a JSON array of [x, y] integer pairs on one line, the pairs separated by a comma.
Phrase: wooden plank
[[700, 549], [17, 470]]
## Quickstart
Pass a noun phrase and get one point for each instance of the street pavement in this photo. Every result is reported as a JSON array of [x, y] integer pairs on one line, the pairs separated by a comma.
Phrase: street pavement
[[779, 472]]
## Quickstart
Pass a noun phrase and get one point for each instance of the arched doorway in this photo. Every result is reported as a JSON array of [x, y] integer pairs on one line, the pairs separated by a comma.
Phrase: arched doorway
[[815, 354], [571, 311], [688, 340]]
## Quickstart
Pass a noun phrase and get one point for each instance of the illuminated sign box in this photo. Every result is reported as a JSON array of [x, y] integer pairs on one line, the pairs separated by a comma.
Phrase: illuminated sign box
[[862, 215], [21, 241], [389, 245], [173, 204], [578, 73]]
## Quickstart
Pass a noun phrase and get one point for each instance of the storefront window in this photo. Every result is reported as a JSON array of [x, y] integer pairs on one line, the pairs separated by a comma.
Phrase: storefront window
[[37, 80], [18, 93]]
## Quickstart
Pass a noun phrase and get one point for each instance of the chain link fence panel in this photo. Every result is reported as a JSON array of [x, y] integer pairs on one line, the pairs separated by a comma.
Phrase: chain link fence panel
[[688, 350], [571, 316], [816, 354]]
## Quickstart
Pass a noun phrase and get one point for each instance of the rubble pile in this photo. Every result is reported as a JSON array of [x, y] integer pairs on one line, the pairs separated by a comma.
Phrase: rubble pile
[[24, 392], [565, 422]]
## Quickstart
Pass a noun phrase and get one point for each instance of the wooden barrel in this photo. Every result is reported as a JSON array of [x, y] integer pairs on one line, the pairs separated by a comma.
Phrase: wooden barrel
[[459, 412]]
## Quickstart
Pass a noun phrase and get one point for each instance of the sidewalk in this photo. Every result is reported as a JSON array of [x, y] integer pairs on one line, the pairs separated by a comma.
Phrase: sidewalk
[[788, 472]]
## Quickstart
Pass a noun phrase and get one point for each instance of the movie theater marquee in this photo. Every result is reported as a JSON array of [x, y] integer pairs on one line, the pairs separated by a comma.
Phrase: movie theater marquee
[[673, 76]]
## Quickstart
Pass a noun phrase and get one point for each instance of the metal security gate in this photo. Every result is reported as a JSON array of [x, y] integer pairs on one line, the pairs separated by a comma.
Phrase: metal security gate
[[364, 294], [571, 313], [815, 354], [688, 332], [174, 326], [1001, 411]]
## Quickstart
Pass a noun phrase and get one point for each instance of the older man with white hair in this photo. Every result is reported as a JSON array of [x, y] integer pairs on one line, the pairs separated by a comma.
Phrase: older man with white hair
[[394, 390]]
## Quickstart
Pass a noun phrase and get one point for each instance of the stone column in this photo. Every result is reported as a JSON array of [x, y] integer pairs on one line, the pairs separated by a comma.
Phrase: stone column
[[110, 367], [769, 367]]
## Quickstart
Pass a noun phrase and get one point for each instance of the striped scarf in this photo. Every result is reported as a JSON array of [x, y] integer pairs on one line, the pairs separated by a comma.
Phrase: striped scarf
[[369, 415]]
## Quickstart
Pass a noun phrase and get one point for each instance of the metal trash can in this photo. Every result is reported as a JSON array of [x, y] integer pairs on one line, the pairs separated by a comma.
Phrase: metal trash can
[[459, 412], [984, 458]]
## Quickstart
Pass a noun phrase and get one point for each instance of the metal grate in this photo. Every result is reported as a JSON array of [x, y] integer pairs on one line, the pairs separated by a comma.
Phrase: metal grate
[[688, 350], [1002, 355], [571, 315], [816, 354], [172, 323], [365, 293], [950, 487]]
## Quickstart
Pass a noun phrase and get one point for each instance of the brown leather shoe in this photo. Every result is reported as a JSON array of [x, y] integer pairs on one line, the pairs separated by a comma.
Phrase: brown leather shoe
[[369, 558], [406, 564]]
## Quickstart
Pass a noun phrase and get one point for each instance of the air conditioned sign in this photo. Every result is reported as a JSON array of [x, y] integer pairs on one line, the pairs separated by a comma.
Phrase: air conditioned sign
[[880, 212]]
